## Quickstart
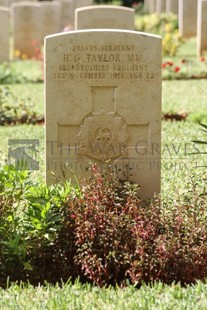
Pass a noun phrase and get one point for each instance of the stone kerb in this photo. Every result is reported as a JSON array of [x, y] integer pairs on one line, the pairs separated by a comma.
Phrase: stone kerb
[[104, 16], [103, 105]]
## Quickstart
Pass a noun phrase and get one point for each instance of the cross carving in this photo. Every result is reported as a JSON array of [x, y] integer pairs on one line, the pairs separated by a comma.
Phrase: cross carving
[[103, 134]]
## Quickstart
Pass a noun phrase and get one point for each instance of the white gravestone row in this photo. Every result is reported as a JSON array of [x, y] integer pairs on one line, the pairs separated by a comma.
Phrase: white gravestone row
[[192, 15], [32, 21], [161, 6]]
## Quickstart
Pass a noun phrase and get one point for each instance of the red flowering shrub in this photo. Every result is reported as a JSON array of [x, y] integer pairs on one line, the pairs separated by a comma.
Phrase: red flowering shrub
[[177, 252], [104, 218], [118, 237], [169, 65], [186, 69]]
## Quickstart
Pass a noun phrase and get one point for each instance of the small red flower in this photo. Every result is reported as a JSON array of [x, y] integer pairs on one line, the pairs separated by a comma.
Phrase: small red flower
[[176, 69], [164, 65], [203, 59], [170, 63]]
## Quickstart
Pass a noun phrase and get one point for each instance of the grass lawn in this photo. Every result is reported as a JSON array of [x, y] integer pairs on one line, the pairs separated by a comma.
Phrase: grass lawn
[[82, 297], [184, 96]]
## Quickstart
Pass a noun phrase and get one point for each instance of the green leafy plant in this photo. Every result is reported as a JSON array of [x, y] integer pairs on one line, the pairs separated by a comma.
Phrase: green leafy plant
[[15, 110], [8, 74], [30, 217]]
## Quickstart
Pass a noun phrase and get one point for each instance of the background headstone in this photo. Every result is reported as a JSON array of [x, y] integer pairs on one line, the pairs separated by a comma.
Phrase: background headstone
[[103, 105], [17, 1], [27, 27], [67, 13], [161, 6], [146, 6], [188, 18], [4, 3], [51, 18], [4, 33], [81, 3], [104, 16], [172, 6], [202, 27], [152, 6]]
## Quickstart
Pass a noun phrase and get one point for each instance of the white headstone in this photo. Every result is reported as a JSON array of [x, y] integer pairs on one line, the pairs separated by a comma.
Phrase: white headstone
[[27, 27], [4, 33], [172, 6], [81, 3], [146, 6], [152, 6], [17, 1], [188, 18], [104, 16], [103, 105], [4, 3], [202, 27], [51, 16], [67, 13], [161, 6]]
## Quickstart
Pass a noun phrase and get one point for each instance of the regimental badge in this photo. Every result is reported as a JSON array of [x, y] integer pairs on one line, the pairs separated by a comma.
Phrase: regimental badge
[[103, 136]]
